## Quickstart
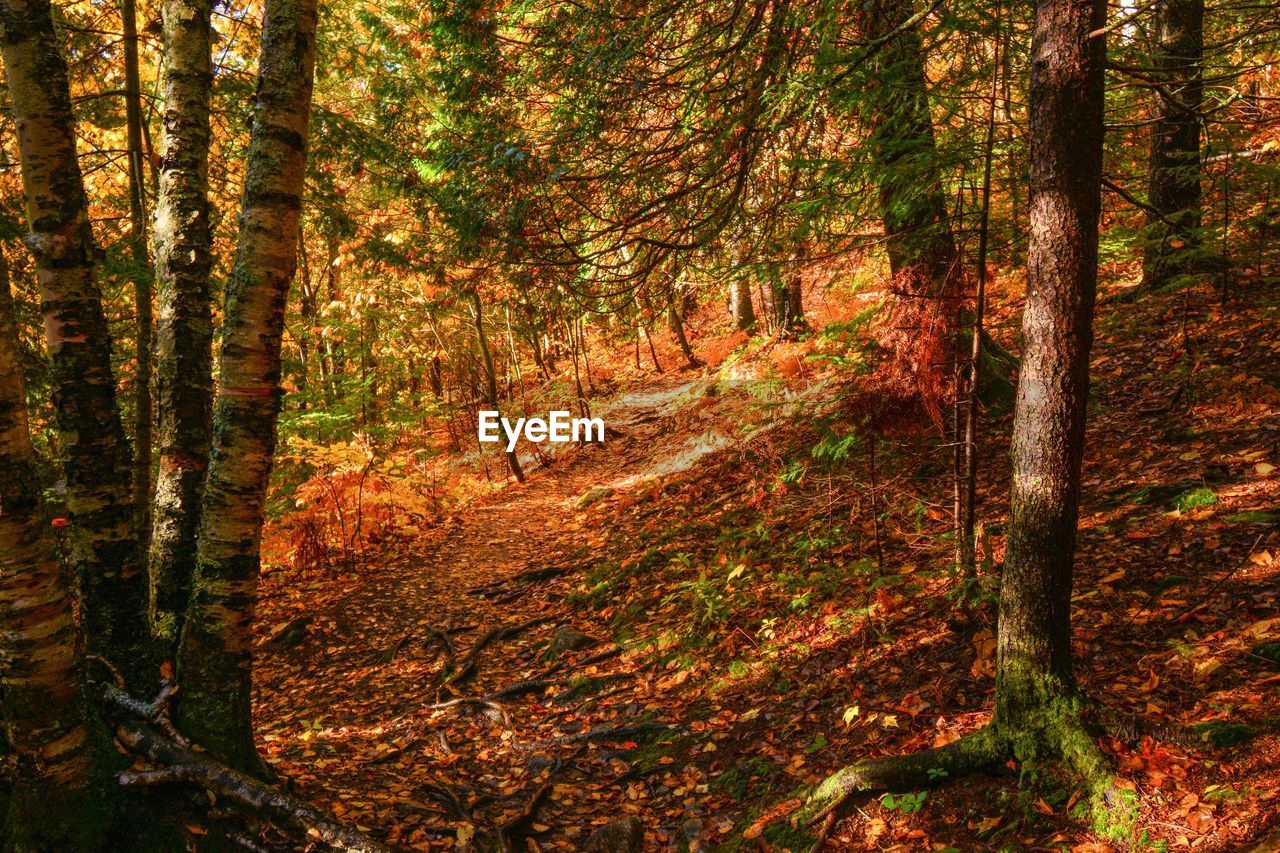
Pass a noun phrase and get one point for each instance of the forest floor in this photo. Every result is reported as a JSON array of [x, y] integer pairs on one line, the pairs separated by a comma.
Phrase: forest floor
[[684, 627]]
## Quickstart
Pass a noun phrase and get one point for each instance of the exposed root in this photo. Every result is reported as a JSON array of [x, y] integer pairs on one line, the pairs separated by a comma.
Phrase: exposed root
[[607, 733], [1058, 732], [521, 688], [493, 635], [516, 583], [974, 753], [491, 711], [176, 762], [515, 831]]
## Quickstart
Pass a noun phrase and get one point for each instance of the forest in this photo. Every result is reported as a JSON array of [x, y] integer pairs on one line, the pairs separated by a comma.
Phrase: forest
[[936, 349]]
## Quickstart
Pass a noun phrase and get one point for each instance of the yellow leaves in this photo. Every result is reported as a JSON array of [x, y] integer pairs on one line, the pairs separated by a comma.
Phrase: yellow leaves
[[985, 825], [1262, 628], [1207, 667]]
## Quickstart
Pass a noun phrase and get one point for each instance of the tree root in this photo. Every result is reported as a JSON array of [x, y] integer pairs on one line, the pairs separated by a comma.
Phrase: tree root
[[607, 733], [516, 830], [144, 730], [973, 753], [518, 582], [494, 635], [520, 688], [1059, 732], [492, 711]]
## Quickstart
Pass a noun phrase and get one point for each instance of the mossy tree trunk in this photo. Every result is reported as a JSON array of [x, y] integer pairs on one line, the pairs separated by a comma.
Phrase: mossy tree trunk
[[215, 658], [96, 457], [184, 333], [1066, 131], [44, 709], [1174, 181]]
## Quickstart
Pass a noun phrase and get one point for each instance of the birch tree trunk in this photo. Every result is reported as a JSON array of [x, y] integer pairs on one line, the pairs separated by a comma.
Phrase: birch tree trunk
[[740, 307], [96, 458], [184, 332], [215, 655], [44, 709]]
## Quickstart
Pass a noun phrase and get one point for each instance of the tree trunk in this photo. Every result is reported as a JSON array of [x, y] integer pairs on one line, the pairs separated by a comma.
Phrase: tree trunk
[[142, 275], [215, 656], [96, 460], [184, 333], [44, 709], [1033, 670], [918, 241], [491, 377], [740, 307], [1174, 180], [677, 328]]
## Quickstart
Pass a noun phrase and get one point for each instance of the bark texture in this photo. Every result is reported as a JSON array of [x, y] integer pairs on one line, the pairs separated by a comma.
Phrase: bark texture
[[96, 458], [1040, 714], [918, 240], [1174, 181], [1066, 130], [215, 655], [184, 333], [744, 313], [142, 432], [491, 377], [43, 705]]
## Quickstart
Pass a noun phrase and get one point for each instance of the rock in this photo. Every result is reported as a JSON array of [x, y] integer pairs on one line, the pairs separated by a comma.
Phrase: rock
[[621, 836], [594, 494], [568, 640]]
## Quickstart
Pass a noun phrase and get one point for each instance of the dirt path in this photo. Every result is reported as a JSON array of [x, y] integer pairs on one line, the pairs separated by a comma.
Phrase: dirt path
[[348, 712]]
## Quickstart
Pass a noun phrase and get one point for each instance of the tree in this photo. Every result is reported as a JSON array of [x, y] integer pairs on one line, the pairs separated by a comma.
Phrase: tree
[[215, 654], [740, 307], [44, 710], [1039, 712], [184, 333], [142, 439], [490, 373], [1173, 189], [96, 458], [922, 253]]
